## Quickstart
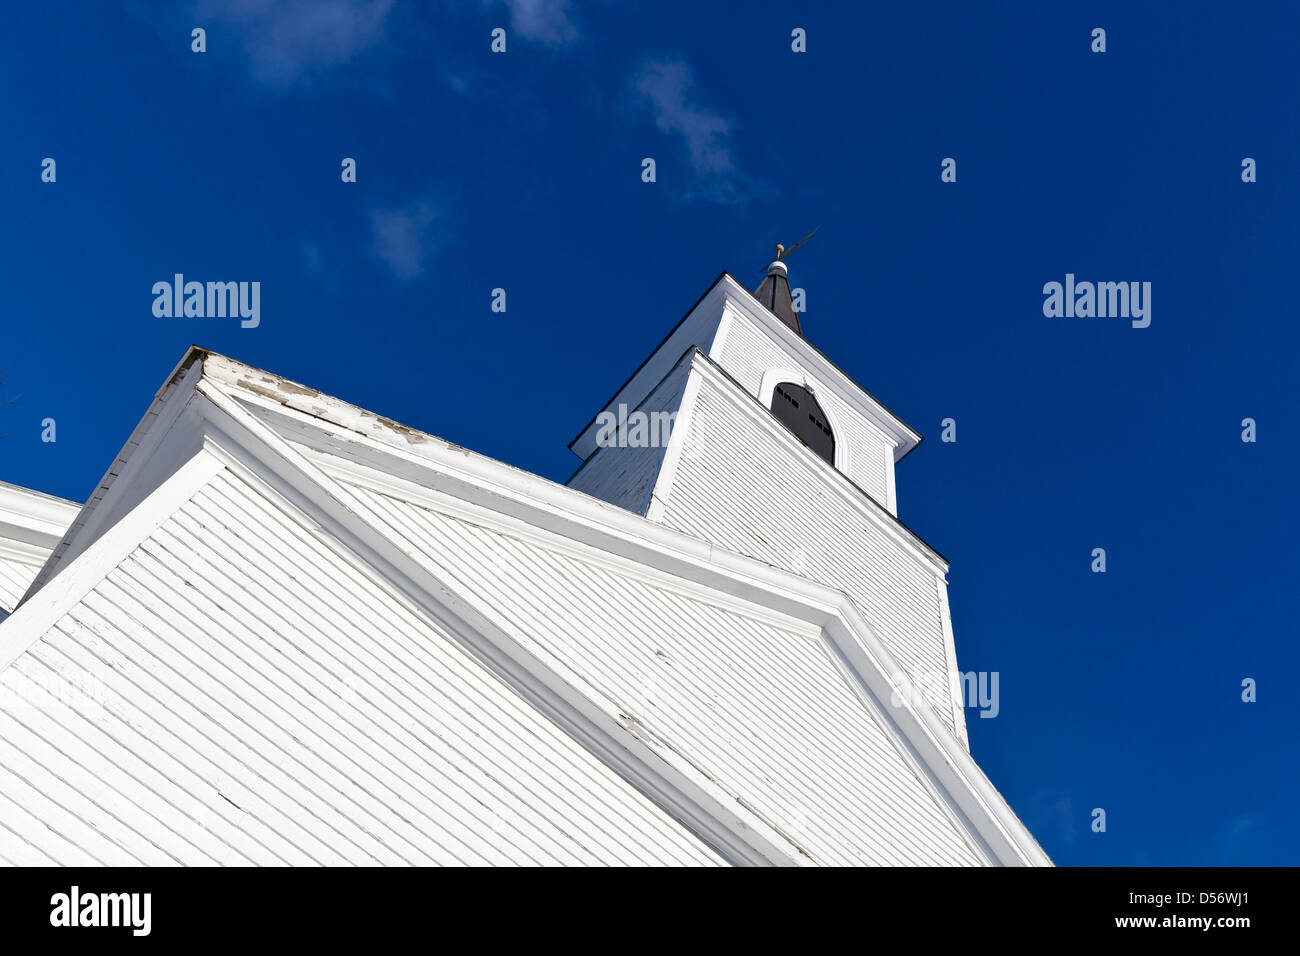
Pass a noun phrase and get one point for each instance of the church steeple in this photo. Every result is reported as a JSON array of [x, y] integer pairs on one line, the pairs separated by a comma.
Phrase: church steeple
[[737, 431]]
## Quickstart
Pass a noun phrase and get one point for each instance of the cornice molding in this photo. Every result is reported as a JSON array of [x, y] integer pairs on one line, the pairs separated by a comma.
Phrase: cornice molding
[[34, 518]]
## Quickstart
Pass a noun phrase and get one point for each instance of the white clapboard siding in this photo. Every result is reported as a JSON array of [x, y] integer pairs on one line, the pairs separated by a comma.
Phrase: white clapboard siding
[[15, 578], [31, 524], [625, 475], [747, 352], [749, 342], [761, 709], [239, 691], [736, 487]]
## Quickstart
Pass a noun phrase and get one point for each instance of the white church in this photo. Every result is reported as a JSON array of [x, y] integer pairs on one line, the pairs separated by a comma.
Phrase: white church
[[285, 630]]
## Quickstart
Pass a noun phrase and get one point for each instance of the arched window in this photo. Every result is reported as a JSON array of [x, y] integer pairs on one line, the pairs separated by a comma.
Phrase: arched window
[[795, 406]]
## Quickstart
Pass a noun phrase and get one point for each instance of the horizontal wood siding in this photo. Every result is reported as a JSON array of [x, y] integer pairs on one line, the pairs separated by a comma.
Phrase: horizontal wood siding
[[15, 578], [747, 353], [250, 695], [762, 710], [737, 488]]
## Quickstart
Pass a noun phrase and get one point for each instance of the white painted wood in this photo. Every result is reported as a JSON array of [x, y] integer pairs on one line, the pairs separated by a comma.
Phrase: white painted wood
[[260, 685], [1021, 850], [887, 466], [948, 765], [677, 445], [696, 330], [625, 475], [780, 729], [16, 577], [685, 794], [46, 606], [334, 639], [792, 510], [32, 517], [950, 650], [801, 353], [140, 466], [759, 361], [845, 449], [745, 338], [414, 456], [31, 525]]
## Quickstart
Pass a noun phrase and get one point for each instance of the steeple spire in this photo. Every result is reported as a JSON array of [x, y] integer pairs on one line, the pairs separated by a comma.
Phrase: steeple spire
[[774, 290]]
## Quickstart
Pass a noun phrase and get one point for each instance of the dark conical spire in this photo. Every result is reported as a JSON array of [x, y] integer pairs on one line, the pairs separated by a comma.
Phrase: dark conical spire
[[774, 292]]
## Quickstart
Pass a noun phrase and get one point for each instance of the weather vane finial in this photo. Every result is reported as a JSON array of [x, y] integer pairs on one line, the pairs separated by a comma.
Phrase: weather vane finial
[[783, 253]]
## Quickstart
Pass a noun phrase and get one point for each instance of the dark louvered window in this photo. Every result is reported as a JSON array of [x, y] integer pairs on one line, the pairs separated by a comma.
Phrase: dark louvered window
[[797, 408]]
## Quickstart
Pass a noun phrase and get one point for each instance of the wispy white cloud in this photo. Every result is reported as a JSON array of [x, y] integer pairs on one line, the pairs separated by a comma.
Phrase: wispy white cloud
[[668, 86], [289, 43], [403, 238], [290, 40], [544, 20]]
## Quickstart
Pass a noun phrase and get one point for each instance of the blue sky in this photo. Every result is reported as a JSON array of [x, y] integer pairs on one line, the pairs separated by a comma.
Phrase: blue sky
[[522, 171]]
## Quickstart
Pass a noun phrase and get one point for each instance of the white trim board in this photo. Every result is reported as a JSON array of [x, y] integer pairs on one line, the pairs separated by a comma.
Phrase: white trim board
[[41, 610], [103, 504]]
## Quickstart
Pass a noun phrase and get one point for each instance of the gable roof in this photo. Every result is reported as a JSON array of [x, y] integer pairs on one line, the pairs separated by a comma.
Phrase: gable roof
[[376, 487], [91, 520], [696, 329]]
